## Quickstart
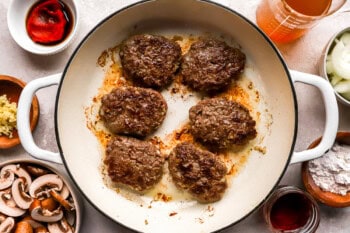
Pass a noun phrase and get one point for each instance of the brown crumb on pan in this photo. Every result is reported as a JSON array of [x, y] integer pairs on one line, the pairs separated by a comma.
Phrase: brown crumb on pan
[[162, 197], [261, 149], [250, 85], [172, 214], [102, 59], [200, 220]]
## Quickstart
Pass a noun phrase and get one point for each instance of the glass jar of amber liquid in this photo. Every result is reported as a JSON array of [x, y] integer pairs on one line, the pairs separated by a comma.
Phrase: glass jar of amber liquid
[[287, 20], [290, 210]]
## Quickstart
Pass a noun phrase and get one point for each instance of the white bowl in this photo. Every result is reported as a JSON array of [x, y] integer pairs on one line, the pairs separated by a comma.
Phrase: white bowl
[[323, 71], [16, 21]]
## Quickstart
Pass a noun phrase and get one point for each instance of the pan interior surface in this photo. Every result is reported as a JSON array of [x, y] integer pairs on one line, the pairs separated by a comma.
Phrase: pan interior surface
[[277, 128]]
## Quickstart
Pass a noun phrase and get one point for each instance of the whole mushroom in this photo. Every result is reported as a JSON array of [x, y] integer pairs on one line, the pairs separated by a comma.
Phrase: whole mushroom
[[23, 227], [35, 224], [41, 230]]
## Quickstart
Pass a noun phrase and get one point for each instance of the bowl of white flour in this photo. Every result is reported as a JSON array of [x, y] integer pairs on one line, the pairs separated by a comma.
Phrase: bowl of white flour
[[327, 178]]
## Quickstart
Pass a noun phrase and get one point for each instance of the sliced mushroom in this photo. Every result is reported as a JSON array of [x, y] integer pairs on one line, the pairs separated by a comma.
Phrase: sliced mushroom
[[8, 205], [22, 199], [60, 227], [20, 172], [23, 227], [65, 203], [43, 184], [7, 225], [38, 213], [6, 178]]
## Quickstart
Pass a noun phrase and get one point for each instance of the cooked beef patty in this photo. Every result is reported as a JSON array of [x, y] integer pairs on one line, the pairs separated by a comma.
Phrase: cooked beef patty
[[150, 60], [133, 110], [220, 123], [133, 162], [210, 65], [199, 172]]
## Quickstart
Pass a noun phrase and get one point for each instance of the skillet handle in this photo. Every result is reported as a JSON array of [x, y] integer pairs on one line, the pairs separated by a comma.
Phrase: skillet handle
[[23, 111], [332, 116]]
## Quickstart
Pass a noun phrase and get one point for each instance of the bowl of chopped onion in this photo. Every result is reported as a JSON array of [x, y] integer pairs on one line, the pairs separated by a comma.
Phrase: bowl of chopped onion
[[10, 90], [336, 65]]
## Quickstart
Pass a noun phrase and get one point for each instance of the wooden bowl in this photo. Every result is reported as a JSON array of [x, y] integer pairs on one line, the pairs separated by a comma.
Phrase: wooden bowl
[[13, 87], [327, 198]]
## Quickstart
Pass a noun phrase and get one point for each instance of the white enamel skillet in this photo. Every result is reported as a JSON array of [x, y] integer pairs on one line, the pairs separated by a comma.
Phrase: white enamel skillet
[[80, 151]]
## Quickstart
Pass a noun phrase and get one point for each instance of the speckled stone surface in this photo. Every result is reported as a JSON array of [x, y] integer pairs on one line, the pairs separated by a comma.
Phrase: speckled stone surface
[[303, 55]]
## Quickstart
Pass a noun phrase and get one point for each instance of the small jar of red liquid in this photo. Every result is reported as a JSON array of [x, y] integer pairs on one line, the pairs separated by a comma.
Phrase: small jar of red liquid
[[290, 210]]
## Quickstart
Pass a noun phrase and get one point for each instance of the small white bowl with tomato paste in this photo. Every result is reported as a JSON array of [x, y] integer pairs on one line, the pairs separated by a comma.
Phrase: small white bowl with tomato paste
[[43, 26]]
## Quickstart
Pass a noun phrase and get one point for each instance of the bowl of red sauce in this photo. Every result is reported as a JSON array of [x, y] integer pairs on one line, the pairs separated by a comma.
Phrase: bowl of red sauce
[[43, 27]]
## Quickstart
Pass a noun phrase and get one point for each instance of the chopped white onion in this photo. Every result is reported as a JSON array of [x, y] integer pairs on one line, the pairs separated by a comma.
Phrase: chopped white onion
[[338, 65], [345, 38], [335, 79], [341, 59], [342, 87]]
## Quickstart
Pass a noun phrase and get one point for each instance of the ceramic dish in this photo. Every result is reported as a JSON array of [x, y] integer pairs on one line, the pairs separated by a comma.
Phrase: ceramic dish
[[327, 198], [12, 88], [323, 65], [49, 202], [16, 21]]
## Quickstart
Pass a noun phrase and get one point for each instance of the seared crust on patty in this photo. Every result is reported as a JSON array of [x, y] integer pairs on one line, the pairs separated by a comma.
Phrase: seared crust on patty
[[133, 110], [210, 65], [220, 123], [132, 162], [150, 60], [199, 172]]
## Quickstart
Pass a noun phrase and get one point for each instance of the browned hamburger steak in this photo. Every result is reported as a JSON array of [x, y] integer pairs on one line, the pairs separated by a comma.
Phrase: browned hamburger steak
[[133, 110], [199, 172], [150, 60], [220, 123], [210, 65], [132, 162]]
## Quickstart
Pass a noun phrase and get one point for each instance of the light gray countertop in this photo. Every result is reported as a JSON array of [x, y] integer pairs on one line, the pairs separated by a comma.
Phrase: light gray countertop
[[303, 55]]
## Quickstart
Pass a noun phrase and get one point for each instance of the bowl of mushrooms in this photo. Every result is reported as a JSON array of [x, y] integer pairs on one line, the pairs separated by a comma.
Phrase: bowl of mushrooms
[[34, 197]]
